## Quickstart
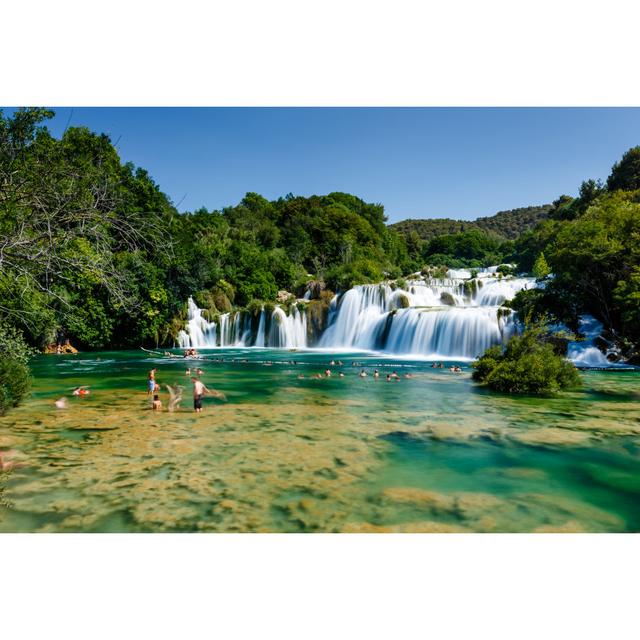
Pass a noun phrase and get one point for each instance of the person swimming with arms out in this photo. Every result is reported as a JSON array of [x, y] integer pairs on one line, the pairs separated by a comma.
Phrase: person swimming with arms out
[[81, 391]]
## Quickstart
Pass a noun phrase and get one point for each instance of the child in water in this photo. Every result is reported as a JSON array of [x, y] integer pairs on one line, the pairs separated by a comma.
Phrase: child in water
[[156, 404], [151, 381]]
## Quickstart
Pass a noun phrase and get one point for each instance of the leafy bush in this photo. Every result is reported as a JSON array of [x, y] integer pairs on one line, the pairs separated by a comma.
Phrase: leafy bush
[[507, 270], [13, 345], [528, 365], [15, 380], [15, 383]]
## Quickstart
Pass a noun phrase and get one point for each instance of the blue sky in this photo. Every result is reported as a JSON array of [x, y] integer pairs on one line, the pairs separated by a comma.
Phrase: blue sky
[[420, 163]]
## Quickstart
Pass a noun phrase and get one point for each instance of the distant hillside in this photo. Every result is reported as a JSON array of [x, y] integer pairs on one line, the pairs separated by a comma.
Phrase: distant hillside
[[506, 225]]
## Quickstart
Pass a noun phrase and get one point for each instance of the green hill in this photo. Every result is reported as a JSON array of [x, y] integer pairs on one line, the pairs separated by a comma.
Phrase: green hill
[[505, 225]]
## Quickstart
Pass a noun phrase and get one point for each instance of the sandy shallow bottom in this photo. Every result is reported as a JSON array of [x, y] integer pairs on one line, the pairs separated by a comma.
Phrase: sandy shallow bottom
[[287, 453]]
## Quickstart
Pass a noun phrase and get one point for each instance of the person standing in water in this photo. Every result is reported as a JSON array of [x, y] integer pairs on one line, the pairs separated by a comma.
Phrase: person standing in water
[[151, 381], [198, 393]]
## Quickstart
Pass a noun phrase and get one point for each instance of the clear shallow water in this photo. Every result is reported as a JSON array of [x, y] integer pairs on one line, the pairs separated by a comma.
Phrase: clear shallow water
[[284, 453]]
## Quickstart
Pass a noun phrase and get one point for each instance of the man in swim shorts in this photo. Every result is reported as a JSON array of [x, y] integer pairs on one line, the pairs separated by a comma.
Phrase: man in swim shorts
[[198, 393]]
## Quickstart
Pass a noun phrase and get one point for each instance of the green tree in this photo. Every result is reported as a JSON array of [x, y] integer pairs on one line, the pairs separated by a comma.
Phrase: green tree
[[541, 269], [625, 174]]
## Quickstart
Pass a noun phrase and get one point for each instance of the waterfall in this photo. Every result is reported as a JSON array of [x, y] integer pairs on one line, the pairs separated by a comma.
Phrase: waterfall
[[199, 332], [584, 353], [440, 318], [234, 330], [288, 331], [455, 318], [260, 340]]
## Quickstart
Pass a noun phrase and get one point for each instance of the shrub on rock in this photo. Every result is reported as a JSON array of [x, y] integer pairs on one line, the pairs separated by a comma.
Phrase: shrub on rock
[[528, 365]]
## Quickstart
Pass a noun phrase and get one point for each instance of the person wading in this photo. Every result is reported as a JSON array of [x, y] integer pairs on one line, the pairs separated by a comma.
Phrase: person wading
[[198, 392]]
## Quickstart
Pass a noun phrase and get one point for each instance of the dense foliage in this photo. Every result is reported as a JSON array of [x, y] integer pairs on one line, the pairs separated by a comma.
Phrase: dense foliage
[[15, 380], [591, 246], [457, 243], [94, 252], [527, 365], [505, 225]]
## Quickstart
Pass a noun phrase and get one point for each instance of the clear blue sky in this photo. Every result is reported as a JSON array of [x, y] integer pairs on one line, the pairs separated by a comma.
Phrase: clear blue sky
[[420, 163]]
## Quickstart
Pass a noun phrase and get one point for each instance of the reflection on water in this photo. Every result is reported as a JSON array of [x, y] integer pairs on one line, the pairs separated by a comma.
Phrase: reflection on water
[[289, 453]]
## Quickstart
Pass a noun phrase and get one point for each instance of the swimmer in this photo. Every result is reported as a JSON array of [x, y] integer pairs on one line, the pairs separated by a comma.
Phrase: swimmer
[[200, 372], [363, 374], [434, 365], [376, 374], [388, 377], [408, 375], [81, 391], [61, 403], [327, 373], [395, 375], [187, 372], [332, 363], [442, 365], [341, 374]]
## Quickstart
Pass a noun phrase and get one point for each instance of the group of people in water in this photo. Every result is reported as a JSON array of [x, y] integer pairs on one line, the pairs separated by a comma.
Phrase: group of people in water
[[200, 390], [363, 374], [440, 365], [175, 391], [376, 373]]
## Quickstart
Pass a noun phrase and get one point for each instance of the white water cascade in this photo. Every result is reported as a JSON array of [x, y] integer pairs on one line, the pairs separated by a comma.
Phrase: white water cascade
[[451, 318], [235, 330], [584, 353]]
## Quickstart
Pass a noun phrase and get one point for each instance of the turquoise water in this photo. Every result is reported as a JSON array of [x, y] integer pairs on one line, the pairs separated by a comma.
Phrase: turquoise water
[[289, 452]]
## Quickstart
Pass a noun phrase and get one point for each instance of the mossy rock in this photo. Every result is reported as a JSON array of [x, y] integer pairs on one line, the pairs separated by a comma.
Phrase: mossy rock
[[447, 298], [221, 301], [318, 314], [315, 289], [403, 302]]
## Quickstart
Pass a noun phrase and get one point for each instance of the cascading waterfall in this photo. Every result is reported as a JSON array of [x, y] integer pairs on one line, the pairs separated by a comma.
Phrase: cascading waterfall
[[235, 330], [584, 353], [452, 318], [455, 318]]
